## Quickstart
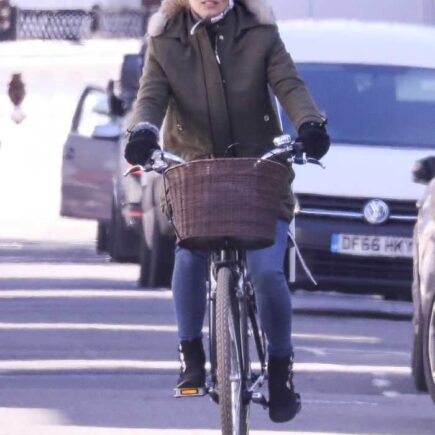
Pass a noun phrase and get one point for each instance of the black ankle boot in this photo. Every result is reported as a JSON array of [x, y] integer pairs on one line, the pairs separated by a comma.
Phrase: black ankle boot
[[192, 357], [284, 402]]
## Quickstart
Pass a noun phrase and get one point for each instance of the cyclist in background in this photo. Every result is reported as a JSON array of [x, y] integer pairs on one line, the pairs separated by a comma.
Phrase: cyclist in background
[[208, 69]]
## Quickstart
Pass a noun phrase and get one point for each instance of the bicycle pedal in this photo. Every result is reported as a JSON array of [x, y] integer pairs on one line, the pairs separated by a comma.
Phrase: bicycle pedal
[[190, 392]]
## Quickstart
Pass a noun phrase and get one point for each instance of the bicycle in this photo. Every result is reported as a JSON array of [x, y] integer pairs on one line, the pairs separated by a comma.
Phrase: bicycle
[[233, 317]]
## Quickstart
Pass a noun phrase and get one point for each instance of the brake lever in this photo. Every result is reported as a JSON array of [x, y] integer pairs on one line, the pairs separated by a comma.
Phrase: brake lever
[[300, 158], [134, 168], [316, 162], [158, 163]]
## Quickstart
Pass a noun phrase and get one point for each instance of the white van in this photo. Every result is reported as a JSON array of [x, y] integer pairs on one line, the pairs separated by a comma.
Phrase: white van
[[399, 11], [376, 85]]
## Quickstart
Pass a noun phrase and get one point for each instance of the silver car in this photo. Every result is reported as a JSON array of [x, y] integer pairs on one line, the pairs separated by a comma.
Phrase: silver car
[[131, 226], [423, 354]]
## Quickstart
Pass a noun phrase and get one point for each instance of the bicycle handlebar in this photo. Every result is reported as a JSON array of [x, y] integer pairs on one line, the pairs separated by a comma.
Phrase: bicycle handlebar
[[158, 163], [285, 148]]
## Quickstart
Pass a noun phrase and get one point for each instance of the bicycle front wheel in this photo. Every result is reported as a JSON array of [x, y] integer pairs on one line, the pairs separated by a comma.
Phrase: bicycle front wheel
[[234, 408]]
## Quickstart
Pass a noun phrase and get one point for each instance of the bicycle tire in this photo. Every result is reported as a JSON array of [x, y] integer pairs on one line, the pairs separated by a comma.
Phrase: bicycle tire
[[429, 347], [234, 408]]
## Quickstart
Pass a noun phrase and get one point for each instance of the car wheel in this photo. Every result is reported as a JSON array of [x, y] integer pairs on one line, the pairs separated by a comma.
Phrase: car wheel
[[102, 237], [121, 238], [157, 246], [429, 348], [417, 365], [156, 261]]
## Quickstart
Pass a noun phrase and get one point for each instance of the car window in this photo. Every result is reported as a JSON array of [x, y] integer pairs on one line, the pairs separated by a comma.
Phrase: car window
[[373, 104], [94, 113]]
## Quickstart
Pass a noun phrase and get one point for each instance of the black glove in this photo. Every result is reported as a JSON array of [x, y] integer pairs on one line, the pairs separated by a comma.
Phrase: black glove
[[424, 170], [315, 139], [140, 146]]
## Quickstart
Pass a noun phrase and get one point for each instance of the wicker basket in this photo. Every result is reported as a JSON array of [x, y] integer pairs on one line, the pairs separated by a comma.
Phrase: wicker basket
[[220, 203]]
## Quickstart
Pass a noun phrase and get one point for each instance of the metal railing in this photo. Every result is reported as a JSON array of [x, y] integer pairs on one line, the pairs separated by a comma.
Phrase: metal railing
[[76, 24], [67, 24]]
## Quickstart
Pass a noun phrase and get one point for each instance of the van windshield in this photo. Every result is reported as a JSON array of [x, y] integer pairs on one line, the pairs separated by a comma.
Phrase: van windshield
[[372, 104]]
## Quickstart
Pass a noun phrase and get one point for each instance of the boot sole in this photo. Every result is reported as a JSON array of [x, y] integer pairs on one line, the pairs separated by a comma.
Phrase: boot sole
[[286, 418]]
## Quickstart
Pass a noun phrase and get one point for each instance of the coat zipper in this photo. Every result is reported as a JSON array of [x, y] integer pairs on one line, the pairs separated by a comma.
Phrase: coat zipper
[[216, 53]]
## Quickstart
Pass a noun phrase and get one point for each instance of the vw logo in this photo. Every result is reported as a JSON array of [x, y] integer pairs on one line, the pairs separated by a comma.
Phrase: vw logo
[[376, 211]]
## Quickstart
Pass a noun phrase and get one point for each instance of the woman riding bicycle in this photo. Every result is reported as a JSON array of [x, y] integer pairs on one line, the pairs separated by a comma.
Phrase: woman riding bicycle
[[208, 70]]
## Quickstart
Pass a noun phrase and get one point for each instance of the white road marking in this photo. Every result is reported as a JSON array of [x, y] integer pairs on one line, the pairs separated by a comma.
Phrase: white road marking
[[11, 245], [391, 394], [380, 350], [314, 350], [340, 402], [164, 328], [28, 417], [318, 351], [118, 272], [48, 270], [88, 327], [78, 294], [381, 383], [53, 365], [82, 430], [334, 337]]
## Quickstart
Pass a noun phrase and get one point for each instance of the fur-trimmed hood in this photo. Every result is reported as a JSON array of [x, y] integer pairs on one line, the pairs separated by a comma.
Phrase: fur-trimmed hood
[[170, 8]]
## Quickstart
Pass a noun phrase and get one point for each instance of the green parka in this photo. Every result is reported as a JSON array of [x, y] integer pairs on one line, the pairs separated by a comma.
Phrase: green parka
[[209, 98]]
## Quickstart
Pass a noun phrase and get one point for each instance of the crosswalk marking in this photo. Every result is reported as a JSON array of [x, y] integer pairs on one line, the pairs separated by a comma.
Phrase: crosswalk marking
[[87, 327], [67, 270], [83, 365], [79, 294], [165, 328], [156, 328], [82, 430]]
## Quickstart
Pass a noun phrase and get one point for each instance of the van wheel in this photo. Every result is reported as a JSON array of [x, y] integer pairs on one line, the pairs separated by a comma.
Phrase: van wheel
[[429, 348]]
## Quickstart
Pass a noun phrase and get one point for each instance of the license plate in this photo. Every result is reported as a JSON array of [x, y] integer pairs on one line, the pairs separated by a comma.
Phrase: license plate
[[371, 246]]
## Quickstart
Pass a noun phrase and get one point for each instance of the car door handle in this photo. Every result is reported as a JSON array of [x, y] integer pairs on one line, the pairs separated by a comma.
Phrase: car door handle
[[70, 153]]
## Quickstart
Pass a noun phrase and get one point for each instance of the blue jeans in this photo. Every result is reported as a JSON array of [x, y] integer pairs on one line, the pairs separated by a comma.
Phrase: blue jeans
[[265, 267]]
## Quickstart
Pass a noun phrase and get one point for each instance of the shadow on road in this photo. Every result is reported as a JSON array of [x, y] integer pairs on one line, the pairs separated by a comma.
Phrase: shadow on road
[[66, 284]]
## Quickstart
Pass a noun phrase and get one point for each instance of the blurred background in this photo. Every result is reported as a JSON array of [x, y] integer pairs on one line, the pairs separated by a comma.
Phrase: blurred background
[[87, 330], [59, 47], [57, 52]]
